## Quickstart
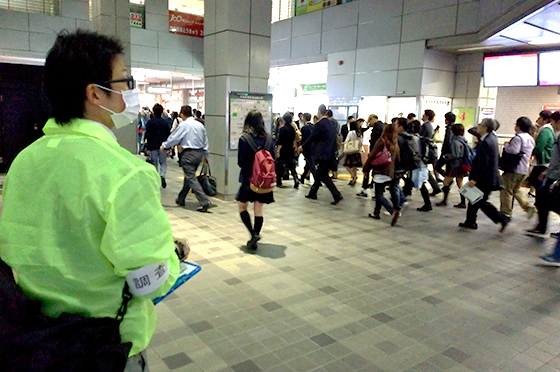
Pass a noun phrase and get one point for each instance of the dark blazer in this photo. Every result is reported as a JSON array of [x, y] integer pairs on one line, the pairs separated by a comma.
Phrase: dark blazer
[[485, 164], [427, 130], [286, 136], [344, 130], [306, 132], [323, 139], [157, 131], [246, 156], [376, 133], [446, 146]]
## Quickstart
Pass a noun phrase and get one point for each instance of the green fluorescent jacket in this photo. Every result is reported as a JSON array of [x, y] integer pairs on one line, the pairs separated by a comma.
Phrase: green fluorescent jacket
[[79, 213]]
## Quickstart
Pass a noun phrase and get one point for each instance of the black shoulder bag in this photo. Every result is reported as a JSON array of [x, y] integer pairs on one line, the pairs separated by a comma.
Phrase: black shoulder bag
[[31, 341], [508, 162]]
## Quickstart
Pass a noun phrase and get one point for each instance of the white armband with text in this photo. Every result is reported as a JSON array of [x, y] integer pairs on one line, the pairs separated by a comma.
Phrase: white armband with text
[[147, 279]]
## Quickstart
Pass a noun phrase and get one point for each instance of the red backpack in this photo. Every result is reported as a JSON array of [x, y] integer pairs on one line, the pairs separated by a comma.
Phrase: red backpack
[[263, 179]]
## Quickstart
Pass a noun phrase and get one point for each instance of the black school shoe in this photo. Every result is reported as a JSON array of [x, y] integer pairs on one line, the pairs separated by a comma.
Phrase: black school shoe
[[465, 225], [252, 244], [204, 208], [163, 183]]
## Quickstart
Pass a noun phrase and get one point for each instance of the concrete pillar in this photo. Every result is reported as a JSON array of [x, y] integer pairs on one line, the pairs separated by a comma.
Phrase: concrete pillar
[[236, 58], [112, 17]]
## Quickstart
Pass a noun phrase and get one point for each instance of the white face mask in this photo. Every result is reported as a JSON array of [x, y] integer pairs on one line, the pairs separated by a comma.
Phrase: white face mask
[[131, 110]]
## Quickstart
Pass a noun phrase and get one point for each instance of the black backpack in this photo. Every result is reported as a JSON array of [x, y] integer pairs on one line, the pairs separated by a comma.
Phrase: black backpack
[[429, 150], [31, 341]]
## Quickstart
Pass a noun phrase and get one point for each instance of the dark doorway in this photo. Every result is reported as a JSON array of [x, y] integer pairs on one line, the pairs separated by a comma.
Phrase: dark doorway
[[24, 109]]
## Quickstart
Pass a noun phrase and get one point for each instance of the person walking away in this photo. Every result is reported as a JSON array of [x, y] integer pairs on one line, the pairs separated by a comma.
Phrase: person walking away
[[410, 161], [485, 176], [353, 161], [522, 145], [191, 136], [427, 137], [324, 140], [339, 140], [384, 175], [546, 179], [454, 160], [376, 128], [157, 131], [254, 137], [449, 121], [307, 131], [286, 160], [85, 233]]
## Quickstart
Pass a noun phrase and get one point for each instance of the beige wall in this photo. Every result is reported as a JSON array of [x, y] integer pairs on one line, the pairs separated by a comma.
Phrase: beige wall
[[513, 102]]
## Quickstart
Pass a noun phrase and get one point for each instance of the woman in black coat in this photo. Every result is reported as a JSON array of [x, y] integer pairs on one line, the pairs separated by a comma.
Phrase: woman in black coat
[[254, 137]]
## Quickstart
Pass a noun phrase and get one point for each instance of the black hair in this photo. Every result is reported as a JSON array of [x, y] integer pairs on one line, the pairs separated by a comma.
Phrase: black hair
[[411, 116], [76, 60], [307, 116], [354, 126], [450, 117], [402, 122], [287, 118], [555, 116], [524, 123], [350, 117], [158, 110], [186, 110], [458, 129], [415, 126], [430, 114], [545, 114], [254, 123], [323, 111], [198, 114]]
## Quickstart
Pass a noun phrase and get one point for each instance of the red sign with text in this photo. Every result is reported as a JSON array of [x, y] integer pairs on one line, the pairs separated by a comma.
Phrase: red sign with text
[[186, 24]]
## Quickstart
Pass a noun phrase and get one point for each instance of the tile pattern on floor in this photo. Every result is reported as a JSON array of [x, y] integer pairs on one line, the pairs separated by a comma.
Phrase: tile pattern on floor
[[332, 290]]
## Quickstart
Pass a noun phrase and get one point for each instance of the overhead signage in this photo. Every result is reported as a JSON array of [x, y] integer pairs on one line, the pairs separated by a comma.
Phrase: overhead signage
[[549, 74], [511, 71], [465, 115], [555, 107], [313, 87], [308, 6], [186, 24]]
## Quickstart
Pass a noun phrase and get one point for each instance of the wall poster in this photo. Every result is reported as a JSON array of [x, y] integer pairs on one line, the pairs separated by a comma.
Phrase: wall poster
[[308, 6], [240, 103]]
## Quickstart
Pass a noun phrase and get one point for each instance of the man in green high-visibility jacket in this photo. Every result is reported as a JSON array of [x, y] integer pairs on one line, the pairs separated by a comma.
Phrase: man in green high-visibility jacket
[[80, 212]]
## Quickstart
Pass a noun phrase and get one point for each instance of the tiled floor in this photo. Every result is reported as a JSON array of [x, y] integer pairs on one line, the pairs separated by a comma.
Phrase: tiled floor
[[332, 290]]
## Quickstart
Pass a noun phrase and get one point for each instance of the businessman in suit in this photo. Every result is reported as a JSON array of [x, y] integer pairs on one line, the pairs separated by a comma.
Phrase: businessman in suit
[[485, 176], [324, 141]]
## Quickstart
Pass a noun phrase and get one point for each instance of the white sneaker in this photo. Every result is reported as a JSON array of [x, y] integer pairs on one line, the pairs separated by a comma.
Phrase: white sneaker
[[386, 213]]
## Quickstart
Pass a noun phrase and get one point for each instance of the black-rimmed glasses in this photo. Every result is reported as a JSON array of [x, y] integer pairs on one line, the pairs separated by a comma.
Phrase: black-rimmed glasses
[[129, 81]]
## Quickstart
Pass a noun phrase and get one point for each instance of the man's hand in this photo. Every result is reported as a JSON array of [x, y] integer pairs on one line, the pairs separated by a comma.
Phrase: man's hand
[[206, 160], [182, 248], [471, 183], [161, 148], [148, 152]]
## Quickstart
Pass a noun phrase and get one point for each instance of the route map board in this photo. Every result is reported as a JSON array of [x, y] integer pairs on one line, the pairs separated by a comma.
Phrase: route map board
[[240, 103]]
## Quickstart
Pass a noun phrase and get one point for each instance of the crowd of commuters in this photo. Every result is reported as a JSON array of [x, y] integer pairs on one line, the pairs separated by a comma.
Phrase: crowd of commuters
[[402, 153], [97, 207]]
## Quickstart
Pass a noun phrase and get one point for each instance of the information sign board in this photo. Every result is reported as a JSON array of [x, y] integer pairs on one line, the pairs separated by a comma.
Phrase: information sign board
[[240, 103]]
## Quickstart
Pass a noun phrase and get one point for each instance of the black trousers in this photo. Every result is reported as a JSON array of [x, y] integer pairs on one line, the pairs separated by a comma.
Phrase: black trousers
[[433, 183], [486, 207], [541, 202], [323, 167], [310, 167], [288, 165]]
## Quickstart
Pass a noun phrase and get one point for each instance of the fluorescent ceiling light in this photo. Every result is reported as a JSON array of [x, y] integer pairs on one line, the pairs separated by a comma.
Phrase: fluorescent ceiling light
[[480, 48]]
